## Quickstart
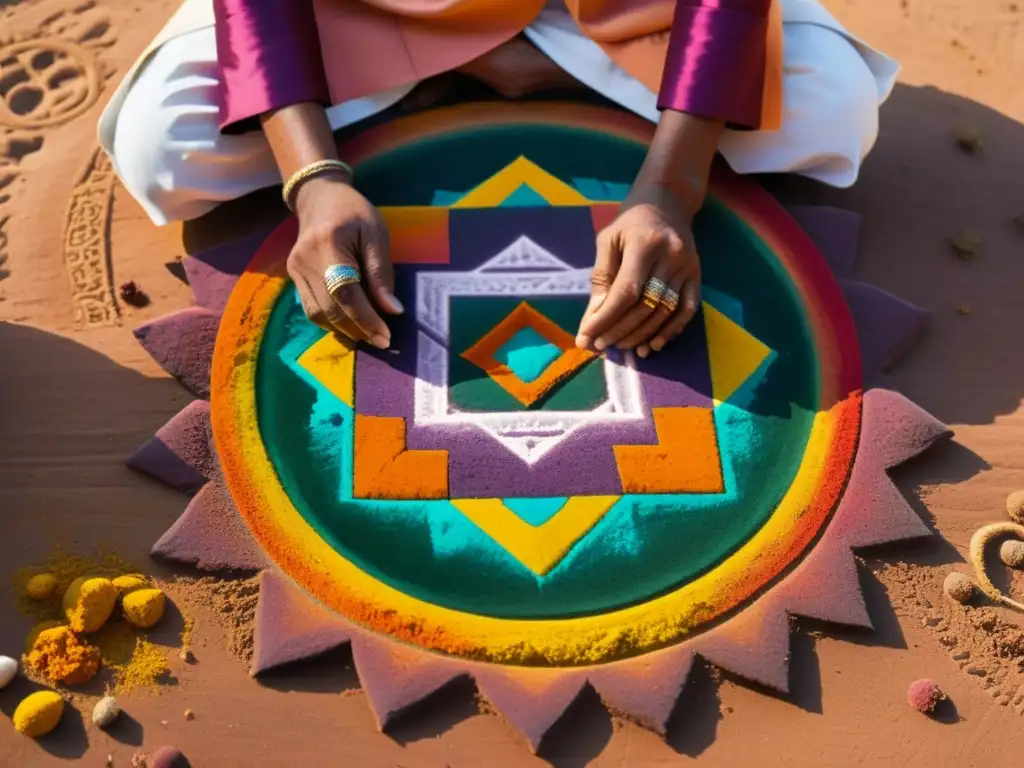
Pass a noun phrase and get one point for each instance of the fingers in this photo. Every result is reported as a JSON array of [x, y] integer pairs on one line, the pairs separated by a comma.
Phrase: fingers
[[655, 319], [352, 299], [606, 266], [377, 269], [323, 311], [639, 315], [689, 300], [626, 290]]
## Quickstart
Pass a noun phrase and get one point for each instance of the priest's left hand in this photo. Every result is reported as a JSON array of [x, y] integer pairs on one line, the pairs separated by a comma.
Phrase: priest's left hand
[[648, 250]]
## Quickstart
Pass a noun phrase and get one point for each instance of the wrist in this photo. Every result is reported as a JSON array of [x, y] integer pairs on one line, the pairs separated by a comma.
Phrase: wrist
[[680, 156], [316, 186]]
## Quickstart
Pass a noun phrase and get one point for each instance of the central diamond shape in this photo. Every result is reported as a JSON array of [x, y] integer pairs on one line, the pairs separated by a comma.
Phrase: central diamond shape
[[554, 348], [528, 354]]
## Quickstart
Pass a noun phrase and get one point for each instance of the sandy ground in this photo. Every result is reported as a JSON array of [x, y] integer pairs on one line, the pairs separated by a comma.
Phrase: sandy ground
[[77, 394]]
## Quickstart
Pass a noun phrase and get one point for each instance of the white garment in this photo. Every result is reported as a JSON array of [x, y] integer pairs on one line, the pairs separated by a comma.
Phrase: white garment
[[162, 133]]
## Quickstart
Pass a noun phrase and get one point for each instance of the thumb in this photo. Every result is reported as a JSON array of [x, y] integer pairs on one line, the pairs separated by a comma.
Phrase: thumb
[[380, 275]]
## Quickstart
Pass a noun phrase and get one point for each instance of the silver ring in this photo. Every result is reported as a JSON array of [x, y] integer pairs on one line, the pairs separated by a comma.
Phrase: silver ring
[[339, 275], [655, 288], [670, 300]]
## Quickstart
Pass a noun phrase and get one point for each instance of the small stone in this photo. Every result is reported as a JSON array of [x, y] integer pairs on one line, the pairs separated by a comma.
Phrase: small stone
[[38, 713], [131, 294], [106, 711], [41, 586], [963, 655], [969, 139], [110, 761], [966, 245], [190, 715], [140, 760], [1015, 506], [129, 583], [144, 607], [186, 655], [1012, 553], [924, 695], [963, 309], [959, 587], [168, 757], [8, 669]]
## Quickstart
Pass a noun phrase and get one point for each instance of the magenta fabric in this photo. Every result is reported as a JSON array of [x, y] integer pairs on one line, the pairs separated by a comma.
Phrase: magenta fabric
[[715, 66], [269, 57]]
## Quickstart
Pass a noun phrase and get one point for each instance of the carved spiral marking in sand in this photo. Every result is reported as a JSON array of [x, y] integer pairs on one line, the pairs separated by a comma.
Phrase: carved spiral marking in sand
[[46, 82], [979, 541]]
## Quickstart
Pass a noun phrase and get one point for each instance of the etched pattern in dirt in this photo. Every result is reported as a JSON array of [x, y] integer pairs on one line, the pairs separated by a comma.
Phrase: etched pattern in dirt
[[87, 243], [984, 645], [51, 73]]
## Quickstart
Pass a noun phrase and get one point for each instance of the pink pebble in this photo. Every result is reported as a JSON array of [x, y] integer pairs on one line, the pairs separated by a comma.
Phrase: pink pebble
[[924, 695], [168, 757]]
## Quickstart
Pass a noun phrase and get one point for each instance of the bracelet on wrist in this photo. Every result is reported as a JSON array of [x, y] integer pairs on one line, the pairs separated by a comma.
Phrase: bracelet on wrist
[[304, 174]]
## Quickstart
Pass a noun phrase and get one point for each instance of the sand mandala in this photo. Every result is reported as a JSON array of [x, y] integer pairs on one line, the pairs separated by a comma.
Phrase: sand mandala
[[483, 499]]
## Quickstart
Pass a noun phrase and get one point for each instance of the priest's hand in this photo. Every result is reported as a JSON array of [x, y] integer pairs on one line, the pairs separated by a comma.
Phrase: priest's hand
[[337, 225], [646, 279]]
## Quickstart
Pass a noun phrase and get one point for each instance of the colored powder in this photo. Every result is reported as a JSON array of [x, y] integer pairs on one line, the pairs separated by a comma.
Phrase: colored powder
[[129, 583], [65, 568], [186, 631], [38, 713], [133, 661], [41, 586], [89, 602], [233, 601], [59, 655], [144, 607]]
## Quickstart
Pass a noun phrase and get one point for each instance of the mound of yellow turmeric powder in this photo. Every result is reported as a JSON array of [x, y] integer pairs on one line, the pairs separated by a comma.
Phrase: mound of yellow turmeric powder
[[58, 654]]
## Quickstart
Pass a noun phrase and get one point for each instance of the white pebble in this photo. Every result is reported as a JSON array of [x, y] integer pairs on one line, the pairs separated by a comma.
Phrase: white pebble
[[106, 711], [8, 669]]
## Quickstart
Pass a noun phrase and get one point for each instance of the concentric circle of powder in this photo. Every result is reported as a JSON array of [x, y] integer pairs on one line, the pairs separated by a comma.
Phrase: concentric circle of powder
[[485, 489]]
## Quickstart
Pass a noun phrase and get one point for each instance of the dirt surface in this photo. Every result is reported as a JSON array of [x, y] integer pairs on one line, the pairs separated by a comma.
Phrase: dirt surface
[[77, 394]]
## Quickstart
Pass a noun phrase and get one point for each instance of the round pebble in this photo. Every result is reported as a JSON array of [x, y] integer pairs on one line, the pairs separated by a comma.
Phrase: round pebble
[[106, 711], [190, 715], [38, 713], [88, 603], [1012, 553], [41, 586], [144, 607], [1015, 506], [959, 587], [8, 669], [924, 695], [129, 583], [168, 757]]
